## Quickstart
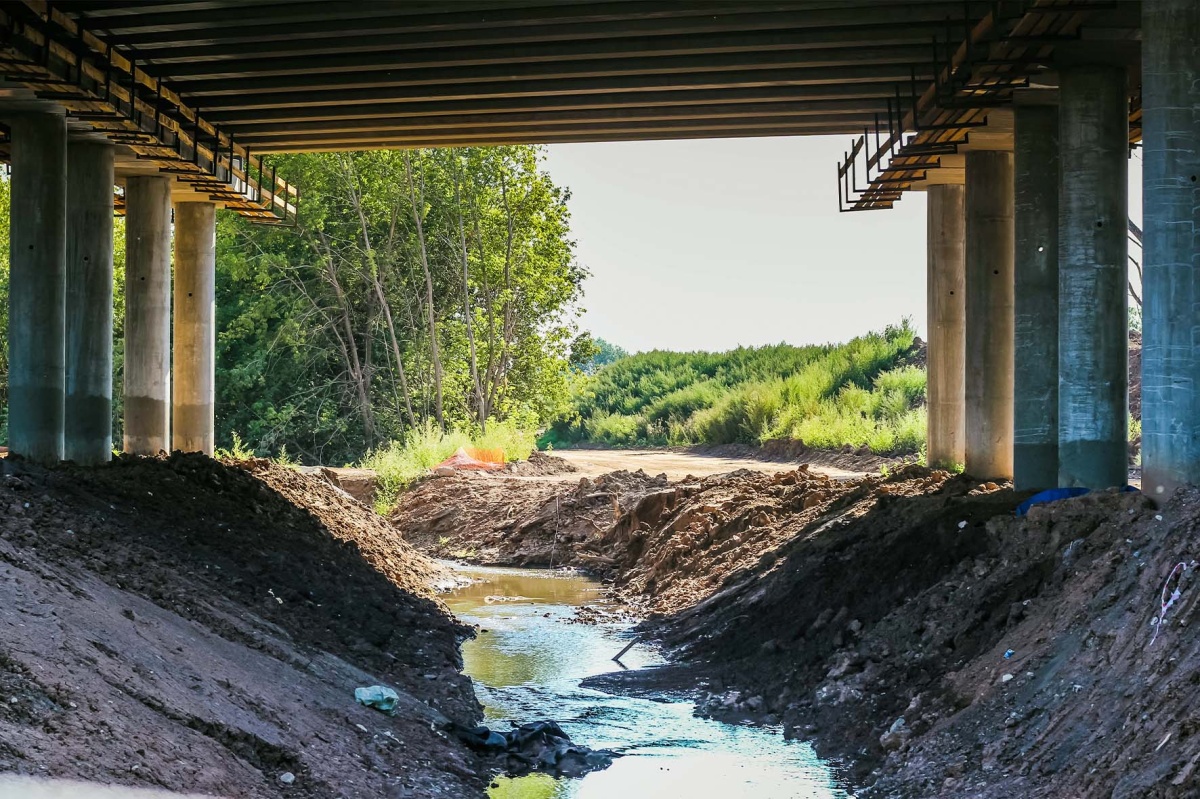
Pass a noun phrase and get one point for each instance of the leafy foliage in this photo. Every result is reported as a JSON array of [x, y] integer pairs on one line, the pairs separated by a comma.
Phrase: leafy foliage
[[860, 393], [605, 354], [421, 285]]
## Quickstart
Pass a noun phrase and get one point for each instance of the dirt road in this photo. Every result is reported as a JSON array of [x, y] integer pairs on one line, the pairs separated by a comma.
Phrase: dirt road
[[675, 464]]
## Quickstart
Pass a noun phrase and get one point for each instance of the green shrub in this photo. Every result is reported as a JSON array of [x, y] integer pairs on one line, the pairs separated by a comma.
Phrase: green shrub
[[615, 429], [400, 463], [859, 393]]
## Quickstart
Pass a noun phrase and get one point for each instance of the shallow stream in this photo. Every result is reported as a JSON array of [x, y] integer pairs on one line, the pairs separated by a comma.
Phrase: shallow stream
[[528, 662]]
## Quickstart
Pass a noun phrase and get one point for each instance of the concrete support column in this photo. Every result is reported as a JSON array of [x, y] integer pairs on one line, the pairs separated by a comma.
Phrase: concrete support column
[[946, 436], [147, 314], [88, 425], [37, 286], [1093, 261], [989, 327], [1171, 265], [1035, 335], [195, 327]]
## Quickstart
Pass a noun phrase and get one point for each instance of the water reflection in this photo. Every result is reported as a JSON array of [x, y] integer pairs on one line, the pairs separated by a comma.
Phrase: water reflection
[[528, 662]]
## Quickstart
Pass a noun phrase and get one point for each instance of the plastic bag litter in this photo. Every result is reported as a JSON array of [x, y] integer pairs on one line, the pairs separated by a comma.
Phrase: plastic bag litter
[[379, 697]]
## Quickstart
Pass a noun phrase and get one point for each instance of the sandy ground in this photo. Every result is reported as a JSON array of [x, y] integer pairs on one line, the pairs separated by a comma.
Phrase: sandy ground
[[676, 465]]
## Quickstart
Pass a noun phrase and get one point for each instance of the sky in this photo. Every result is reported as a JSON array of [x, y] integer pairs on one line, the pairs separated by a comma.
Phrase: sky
[[712, 244]]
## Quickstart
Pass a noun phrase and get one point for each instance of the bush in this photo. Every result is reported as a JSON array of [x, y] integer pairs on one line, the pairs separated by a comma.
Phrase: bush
[[615, 429], [400, 463], [859, 393]]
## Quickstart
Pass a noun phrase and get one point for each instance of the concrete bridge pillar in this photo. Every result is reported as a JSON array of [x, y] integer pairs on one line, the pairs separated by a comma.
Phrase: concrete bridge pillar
[[1171, 258], [946, 326], [989, 314], [89, 302], [147, 314], [195, 327], [37, 286], [1035, 343], [1092, 258]]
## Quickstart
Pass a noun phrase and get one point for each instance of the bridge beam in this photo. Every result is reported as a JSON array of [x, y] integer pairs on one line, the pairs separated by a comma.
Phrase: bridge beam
[[1171, 177], [195, 327], [946, 326], [37, 286], [89, 298], [1093, 252], [1035, 378], [147, 314], [989, 308]]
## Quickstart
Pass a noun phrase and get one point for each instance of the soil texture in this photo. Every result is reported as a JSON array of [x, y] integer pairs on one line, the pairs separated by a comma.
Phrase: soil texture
[[508, 521], [942, 647], [200, 627], [910, 624]]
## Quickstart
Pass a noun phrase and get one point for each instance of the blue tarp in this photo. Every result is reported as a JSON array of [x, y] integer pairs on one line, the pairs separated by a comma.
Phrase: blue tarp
[[1055, 494]]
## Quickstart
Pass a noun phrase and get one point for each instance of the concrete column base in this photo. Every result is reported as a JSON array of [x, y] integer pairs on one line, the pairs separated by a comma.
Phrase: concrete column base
[[989, 324], [147, 315], [1093, 318], [195, 328], [946, 328], [1171, 258], [37, 286], [88, 426], [1035, 344]]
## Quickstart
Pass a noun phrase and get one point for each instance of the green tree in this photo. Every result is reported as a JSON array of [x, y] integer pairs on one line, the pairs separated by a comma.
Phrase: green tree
[[605, 354], [426, 284]]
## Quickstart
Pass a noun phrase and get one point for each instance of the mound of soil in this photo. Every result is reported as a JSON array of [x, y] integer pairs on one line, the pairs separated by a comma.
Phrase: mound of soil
[[498, 521], [949, 649], [678, 546], [201, 627], [539, 464]]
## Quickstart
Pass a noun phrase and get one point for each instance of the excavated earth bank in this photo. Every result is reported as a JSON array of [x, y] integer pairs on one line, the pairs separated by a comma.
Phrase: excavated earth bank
[[200, 627], [910, 625], [510, 521]]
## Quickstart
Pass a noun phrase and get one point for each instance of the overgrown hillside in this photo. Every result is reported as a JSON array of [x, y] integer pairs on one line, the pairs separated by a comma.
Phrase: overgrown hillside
[[868, 392]]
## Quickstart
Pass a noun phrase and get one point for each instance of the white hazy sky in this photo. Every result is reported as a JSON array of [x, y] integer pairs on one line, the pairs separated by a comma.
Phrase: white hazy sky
[[715, 243]]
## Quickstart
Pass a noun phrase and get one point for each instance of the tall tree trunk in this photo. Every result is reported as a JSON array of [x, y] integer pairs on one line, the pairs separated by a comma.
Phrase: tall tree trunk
[[506, 326], [391, 326], [481, 404], [351, 345], [434, 355], [372, 274]]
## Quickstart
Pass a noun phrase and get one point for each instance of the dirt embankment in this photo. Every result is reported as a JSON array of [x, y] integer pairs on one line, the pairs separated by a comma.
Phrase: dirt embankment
[[912, 626], [505, 521], [946, 648], [201, 628], [677, 547]]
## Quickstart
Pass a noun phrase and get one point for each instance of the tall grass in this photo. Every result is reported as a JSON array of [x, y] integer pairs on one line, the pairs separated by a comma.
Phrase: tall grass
[[400, 463], [861, 393]]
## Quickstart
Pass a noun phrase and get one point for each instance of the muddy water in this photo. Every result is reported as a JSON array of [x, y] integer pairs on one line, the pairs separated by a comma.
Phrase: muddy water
[[528, 665]]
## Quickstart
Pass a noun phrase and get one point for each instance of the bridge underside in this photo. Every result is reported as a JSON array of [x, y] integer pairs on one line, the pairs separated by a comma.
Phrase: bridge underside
[[1017, 116]]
